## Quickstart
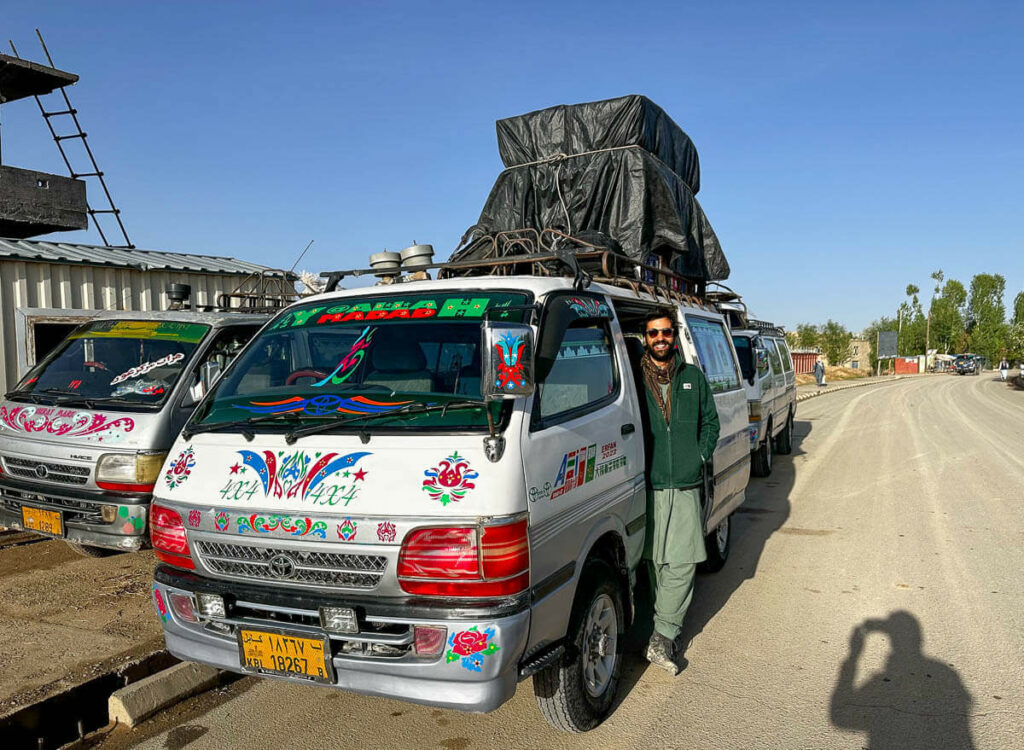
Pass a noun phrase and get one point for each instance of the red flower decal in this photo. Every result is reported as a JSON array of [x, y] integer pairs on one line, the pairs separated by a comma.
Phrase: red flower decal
[[469, 642]]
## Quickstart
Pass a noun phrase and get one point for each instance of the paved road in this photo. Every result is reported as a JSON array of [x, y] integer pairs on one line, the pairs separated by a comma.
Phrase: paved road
[[873, 599]]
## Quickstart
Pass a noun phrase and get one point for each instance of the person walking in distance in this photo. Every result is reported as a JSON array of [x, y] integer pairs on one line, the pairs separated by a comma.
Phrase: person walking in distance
[[1004, 368], [819, 372], [682, 426]]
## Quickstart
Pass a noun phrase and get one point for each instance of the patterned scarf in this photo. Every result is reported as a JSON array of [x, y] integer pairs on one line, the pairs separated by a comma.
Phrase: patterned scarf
[[653, 376]]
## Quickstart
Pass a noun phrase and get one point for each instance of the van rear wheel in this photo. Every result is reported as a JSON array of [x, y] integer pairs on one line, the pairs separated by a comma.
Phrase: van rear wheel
[[716, 544], [761, 459], [575, 693], [784, 442]]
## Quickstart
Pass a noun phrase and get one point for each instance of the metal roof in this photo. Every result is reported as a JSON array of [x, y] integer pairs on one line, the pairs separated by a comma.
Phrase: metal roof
[[22, 78], [119, 257]]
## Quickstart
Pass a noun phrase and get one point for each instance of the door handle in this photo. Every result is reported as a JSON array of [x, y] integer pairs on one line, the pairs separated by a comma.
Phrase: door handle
[[628, 428]]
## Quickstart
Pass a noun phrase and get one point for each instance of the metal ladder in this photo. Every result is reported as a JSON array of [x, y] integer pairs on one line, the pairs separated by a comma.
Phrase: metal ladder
[[95, 172]]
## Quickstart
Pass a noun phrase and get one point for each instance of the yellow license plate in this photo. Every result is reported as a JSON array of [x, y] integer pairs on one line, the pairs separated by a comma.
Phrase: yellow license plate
[[284, 654], [43, 521]]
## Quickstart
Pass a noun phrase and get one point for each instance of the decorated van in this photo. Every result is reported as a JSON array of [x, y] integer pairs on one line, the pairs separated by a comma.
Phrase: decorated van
[[84, 434], [431, 490]]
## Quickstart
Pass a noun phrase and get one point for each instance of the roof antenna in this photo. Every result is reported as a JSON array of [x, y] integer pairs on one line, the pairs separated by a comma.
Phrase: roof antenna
[[290, 270]]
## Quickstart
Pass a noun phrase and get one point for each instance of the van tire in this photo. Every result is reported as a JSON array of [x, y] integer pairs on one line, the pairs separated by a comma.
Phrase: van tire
[[560, 689], [717, 546], [87, 550], [784, 442], [761, 459]]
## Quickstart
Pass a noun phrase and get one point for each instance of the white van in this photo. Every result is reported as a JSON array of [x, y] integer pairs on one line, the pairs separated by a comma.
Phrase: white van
[[432, 490], [770, 383], [84, 434]]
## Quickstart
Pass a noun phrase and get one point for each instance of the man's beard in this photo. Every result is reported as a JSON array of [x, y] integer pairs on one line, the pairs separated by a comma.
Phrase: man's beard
[[660, 357]]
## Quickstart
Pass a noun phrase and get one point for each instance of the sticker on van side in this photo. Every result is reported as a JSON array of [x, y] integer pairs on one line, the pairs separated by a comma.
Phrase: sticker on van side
[[449, 481]]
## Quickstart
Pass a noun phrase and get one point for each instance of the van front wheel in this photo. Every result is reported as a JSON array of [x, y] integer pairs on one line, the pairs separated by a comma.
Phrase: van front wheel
[[576, 692], [784, 442]]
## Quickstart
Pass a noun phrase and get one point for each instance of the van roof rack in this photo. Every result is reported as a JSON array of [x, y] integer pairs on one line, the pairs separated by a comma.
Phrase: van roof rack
[[551, 253], [767, 328], [260, 292]]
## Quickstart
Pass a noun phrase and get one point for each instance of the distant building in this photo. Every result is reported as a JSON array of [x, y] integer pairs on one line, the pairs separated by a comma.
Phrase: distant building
[[46, 286], [860, 355]]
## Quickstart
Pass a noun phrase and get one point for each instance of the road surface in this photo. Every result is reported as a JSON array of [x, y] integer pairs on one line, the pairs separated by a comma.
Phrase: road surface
[[872, 599]]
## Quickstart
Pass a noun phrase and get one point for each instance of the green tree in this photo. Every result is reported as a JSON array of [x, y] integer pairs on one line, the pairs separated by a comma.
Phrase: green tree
[[988, 315], [871, 334], [947, 321], [792, 339], [1018, 308], [835, 342], [914, 327], [807, 336]]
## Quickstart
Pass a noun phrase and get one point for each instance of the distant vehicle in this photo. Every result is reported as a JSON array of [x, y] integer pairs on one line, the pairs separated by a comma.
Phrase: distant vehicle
[[770, 384], [967, 364], [85, 433]]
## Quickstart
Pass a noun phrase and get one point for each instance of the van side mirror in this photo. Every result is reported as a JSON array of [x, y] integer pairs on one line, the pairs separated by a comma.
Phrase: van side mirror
[[507, 367], [209, 373]]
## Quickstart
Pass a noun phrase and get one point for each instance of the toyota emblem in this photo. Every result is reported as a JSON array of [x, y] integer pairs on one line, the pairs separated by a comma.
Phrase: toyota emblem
[[41, 471], [282, 566]]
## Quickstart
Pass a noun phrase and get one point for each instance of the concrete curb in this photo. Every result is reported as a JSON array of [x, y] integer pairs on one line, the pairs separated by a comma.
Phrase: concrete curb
[[859, 384], [135, 703]]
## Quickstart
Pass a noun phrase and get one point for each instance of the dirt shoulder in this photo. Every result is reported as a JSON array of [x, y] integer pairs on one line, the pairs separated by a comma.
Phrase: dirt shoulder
[[66, 618]]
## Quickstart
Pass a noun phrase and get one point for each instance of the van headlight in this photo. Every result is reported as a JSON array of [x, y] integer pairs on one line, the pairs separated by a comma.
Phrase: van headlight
[[129, 472]]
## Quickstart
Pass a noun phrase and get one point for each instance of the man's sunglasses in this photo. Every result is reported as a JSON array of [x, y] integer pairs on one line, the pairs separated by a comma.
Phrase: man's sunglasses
[[666, 332]]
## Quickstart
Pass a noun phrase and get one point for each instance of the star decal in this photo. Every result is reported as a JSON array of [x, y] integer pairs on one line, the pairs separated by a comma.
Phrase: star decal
[[235, 468], [361, 474]]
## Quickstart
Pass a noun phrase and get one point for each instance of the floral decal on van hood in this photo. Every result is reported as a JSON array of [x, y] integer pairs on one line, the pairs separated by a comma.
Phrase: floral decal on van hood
[[449, 480]]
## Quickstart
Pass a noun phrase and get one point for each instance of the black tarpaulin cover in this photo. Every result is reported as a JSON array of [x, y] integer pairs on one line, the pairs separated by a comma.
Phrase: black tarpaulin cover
[[616, 186], [577, 128]]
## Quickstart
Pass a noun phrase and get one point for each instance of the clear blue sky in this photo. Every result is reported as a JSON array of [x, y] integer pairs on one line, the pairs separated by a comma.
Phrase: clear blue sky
[[847, 149]]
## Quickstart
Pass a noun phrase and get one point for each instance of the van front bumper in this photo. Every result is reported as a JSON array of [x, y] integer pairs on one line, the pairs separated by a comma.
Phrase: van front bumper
[[476, 670], [82, 518]]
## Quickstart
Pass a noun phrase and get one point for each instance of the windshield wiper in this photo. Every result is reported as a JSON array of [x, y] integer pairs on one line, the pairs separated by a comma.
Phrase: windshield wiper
[[245, 424], [417, 408]]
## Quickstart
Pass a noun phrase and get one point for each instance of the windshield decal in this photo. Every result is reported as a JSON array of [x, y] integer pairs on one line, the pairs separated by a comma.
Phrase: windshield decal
[[180, 469], [298, 475], [408, 307], [142, 369], [191, 333], [66, 423], [449, 480], [319, 406], [587, 307], [296, 527], [351, 361]]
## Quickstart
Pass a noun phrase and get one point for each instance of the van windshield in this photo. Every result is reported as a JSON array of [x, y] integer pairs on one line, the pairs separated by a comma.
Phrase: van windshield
[[117, 361], [365, 357]]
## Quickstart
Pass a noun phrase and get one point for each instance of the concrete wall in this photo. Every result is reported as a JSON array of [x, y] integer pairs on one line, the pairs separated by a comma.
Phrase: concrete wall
[[34, 203], [80, 287]]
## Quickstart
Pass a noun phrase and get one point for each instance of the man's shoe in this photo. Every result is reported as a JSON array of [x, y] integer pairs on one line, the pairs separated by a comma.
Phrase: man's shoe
[[659, 653]]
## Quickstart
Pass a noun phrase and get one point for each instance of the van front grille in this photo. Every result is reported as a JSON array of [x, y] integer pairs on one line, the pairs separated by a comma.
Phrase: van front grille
[[291, 566], [45, 471]]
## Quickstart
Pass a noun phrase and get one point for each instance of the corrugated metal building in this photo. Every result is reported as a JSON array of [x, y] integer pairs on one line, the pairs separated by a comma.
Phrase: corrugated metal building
[[43, 283]]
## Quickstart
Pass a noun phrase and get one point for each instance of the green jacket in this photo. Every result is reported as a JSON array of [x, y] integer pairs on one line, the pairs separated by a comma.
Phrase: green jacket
[[677, 451]]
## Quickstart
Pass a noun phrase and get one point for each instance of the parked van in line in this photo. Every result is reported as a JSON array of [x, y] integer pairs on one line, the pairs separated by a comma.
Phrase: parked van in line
[[84, 435], [433, 490], [770, 384]]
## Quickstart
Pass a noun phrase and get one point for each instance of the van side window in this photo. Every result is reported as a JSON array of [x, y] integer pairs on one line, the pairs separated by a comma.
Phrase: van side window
[[787, 359], [745, 352], [715, 353], [773, 355], [583, 375]]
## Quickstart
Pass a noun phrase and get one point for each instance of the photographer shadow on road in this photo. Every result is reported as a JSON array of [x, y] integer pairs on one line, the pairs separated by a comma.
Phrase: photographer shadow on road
[[913, 702]]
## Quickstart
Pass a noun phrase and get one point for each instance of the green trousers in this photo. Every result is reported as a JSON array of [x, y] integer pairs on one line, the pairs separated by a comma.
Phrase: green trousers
[[674, 546]]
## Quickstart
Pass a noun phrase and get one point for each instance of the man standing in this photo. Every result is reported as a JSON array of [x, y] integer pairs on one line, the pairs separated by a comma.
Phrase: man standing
[[819, 372], [683, 432], [1004, 368]]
